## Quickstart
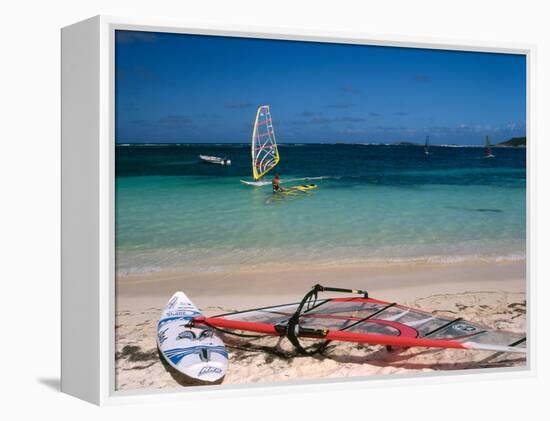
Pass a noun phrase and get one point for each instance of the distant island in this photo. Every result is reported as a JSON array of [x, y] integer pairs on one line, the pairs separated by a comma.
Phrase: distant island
[[406, 144], [515, 142]]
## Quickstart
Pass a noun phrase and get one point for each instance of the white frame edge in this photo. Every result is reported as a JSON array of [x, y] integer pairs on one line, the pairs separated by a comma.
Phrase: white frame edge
[[88, 324], [80, 243]]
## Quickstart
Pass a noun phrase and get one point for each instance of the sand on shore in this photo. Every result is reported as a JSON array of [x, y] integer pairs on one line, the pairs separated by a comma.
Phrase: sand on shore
[[492, 294]]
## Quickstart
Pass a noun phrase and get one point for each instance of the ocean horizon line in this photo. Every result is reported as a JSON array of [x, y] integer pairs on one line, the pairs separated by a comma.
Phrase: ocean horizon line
[[282, 144]]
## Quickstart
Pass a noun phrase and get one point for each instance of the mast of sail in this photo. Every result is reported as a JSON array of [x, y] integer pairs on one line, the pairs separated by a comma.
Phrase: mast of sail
[[253, 146], [265, 155], [487, 146], [427, 144]]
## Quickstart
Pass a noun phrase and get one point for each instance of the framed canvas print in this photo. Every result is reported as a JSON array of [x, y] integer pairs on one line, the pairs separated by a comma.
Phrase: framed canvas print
[[278, 209]]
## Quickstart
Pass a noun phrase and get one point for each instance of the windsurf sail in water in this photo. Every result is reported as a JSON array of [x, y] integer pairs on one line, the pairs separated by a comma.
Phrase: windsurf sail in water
[[427, 146], [265, 155], [488, 150], [362, 319]]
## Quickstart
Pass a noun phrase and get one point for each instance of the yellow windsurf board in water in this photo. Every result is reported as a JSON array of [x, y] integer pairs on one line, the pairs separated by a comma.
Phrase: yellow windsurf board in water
[[298, 189]]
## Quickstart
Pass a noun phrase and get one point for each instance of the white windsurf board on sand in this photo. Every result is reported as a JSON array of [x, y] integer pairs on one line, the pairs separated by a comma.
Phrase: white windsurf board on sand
[[194, 351]]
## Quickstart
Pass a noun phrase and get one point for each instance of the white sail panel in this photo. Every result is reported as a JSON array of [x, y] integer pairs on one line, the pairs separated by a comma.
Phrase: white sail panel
[[265, 155]]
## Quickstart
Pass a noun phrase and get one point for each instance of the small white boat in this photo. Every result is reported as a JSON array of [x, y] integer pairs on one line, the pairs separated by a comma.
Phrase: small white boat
[[215, 160]]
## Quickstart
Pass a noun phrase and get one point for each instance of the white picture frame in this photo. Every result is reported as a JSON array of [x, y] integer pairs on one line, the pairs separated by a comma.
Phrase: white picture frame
[[88, 272]]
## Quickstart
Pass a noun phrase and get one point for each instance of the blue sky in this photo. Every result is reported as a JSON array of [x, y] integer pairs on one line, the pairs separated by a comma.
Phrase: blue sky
[[189, 88]]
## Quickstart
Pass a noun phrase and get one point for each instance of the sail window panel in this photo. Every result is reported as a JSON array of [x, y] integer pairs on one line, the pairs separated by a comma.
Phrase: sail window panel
[[354, 309], [272, 315]]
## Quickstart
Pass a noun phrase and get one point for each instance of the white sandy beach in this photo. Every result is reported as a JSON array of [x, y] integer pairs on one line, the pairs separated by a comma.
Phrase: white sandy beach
[[492, 294]]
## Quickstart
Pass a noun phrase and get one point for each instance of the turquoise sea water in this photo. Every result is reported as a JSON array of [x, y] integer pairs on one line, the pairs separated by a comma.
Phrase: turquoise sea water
[[374, 203]]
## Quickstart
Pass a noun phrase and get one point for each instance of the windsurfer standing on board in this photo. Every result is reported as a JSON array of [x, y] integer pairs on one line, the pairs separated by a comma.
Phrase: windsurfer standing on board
[[275, 183]]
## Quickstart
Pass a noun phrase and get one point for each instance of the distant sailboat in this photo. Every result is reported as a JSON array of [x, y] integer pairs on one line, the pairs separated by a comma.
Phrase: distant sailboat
[[427, 146], [488, 151]]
